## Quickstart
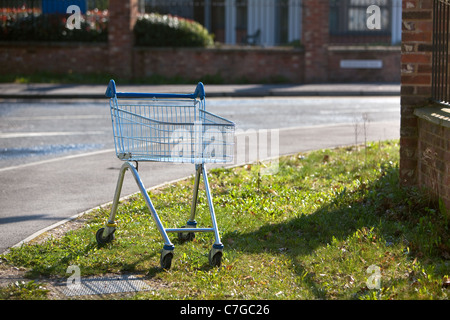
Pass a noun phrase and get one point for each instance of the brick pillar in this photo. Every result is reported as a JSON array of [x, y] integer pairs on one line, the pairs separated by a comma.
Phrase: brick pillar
[[416, 59], [122, 17], [315, 38]]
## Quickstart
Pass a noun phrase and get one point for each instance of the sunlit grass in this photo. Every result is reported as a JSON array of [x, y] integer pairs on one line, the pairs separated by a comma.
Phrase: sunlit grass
[[313, 230]]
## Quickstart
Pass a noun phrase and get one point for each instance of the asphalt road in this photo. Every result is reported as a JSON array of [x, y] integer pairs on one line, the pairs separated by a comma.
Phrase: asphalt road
[[57, 158]]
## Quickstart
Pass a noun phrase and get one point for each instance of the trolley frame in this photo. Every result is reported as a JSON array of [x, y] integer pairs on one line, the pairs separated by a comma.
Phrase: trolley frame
[[185, 233]]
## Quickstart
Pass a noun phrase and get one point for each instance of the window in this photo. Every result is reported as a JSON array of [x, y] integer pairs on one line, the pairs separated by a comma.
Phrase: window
[[348, 22], [350, 16]]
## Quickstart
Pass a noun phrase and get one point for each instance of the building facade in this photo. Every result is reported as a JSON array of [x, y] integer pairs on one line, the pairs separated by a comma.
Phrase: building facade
[[328, 41], [279, 22]]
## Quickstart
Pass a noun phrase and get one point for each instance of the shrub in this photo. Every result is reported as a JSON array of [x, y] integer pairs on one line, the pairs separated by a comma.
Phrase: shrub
[[157, 30]]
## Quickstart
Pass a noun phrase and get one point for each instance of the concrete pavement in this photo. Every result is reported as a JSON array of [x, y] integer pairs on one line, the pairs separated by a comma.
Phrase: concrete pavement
[[41, 194], [58, 91]]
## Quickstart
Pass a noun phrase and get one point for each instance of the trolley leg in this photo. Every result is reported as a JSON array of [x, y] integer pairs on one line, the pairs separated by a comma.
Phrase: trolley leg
[[216, 252], [167, 252], [217, 243], [110, 226], [198, 172], [191, 223], [167, 244]]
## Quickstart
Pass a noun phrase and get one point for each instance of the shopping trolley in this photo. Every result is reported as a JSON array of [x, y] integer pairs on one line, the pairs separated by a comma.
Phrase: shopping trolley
[[169, 128]]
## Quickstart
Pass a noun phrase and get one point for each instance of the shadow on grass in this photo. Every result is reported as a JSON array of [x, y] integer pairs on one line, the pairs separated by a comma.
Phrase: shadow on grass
[[399, 215]]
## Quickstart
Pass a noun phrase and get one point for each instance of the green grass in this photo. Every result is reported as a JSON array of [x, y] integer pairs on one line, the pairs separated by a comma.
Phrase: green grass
[[311, 231]]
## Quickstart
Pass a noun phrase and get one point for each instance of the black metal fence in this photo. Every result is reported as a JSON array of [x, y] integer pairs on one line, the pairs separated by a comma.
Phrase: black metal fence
[[355, 22], [274, 22], [45, 20], [440, 61], [262, 21], [348, 19]]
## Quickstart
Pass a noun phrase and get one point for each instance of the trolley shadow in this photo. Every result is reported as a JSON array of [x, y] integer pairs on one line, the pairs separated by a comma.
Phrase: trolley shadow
[[302, 235]]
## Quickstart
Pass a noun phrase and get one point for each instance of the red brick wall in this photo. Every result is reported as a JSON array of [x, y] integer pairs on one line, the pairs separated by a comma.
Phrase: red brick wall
[[390, 57], [252, 64], [424, 145], [23, 58], [434, 159], [315, 37], [122, 17], [415, 80]]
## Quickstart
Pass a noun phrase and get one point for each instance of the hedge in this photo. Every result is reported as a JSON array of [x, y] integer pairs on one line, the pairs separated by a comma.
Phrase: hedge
[[156, 30]]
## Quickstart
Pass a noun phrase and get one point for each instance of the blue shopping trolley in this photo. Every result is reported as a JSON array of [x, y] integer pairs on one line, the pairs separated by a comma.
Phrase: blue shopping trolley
[[169, 128]]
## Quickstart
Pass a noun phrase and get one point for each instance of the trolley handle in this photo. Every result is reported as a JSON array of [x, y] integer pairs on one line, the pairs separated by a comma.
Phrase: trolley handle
[[111, 92]]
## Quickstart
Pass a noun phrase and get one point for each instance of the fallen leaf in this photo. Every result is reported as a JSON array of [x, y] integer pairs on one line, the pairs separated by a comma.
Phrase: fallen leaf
[[351, 280]]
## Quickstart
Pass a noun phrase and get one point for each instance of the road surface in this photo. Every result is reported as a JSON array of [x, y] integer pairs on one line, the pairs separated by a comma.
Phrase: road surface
[[57, 157]]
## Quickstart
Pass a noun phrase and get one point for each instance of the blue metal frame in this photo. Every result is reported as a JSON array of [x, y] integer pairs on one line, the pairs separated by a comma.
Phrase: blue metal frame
[[198, 93], [208, 119]]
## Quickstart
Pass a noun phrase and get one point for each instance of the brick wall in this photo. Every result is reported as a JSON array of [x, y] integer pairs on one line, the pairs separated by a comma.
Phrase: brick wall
[[28, 58], [315, 37], [250, 63], [231, 64], [415, 80], [424, 133], [389, 56], [122, 17], [434, 159]]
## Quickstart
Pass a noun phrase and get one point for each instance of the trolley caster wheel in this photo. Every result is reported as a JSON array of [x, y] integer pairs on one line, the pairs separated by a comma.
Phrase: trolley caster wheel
[[186, 236], [166, 259], [103, 240], [215, 257]]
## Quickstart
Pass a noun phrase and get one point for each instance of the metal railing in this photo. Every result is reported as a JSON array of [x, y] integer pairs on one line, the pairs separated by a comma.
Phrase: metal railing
[[231, 21], [45, 20], [440, 62], [348, 22]]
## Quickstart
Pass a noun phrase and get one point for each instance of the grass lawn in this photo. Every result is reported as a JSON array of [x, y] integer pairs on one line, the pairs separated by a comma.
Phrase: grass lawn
[[330, 224]]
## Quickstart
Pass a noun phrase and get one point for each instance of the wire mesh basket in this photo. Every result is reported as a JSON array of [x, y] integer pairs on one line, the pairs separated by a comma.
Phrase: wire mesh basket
[[169, 128]]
